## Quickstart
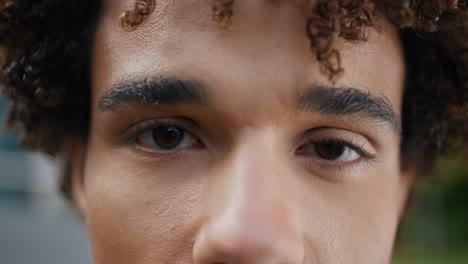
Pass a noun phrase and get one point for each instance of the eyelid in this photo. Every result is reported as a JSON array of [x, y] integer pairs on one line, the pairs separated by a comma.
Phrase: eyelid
[[136, 130], [351, 139], [348, 143], [358, 150], [335, 171]]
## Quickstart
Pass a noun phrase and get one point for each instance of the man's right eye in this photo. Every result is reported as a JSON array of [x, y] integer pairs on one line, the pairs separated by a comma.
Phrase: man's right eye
[[164, 137]]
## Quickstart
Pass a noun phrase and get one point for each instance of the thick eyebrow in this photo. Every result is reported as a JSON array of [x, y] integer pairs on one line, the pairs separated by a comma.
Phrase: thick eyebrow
[[151, 91], [350, 101]]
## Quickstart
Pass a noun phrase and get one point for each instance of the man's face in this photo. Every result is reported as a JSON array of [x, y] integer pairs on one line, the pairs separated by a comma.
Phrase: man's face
[[211, 145]]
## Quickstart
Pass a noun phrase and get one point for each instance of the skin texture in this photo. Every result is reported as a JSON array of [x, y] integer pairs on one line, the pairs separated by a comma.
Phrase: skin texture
[[246, 195]]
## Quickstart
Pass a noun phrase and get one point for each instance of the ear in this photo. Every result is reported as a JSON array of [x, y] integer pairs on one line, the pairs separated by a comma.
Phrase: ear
[[76, 154], [406, 185]]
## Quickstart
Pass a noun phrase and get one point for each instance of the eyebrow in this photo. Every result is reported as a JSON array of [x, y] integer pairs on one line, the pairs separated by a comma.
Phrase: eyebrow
[[153, 91], [350, 101], [322, 99]]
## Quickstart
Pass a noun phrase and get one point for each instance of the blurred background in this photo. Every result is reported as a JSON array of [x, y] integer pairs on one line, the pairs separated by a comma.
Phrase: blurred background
[[37, 226]]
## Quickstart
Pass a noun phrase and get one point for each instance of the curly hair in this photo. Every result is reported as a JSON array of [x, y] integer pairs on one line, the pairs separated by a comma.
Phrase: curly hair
[[47, 49]]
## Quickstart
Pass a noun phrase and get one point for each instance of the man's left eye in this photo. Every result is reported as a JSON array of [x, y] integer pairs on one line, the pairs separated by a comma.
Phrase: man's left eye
[[166, 138], [329, 150]]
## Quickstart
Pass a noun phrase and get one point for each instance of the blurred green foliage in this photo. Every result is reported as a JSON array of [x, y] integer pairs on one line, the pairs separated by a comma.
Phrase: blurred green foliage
[[436, 228]]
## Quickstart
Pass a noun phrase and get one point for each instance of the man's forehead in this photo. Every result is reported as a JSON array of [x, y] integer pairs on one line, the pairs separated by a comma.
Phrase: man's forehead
[[179, 35], [142, 20], [179, 25], [166, 11]]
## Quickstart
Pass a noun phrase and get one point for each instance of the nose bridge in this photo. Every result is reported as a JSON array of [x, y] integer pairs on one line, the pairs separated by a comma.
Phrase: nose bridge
[[254, 178], [252, 186], [257, 177], [252, 219]]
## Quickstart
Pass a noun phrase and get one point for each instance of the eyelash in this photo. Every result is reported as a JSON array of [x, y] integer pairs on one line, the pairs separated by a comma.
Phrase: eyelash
[[366, 158], [143, 127], [359, 149]]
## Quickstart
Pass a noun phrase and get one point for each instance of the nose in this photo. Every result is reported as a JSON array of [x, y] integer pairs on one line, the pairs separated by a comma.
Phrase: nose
[[251, 217]]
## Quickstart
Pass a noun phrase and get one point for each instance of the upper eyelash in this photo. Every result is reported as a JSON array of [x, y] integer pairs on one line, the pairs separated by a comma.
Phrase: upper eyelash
[[145, 126], [359, 149]]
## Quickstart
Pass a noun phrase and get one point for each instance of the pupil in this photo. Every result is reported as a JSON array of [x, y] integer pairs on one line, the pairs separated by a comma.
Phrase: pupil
[[330, 150], [167, 137]]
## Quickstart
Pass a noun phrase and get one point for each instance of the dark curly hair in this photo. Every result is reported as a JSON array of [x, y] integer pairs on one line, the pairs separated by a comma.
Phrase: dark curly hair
[[46, 65]]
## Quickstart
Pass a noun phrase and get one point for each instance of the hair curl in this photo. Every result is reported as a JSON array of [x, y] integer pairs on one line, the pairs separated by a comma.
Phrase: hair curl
[[130, 20], [46, 68]]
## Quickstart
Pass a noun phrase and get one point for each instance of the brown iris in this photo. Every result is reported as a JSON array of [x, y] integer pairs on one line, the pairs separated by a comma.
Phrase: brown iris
[[329, 150], [167, 137]]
